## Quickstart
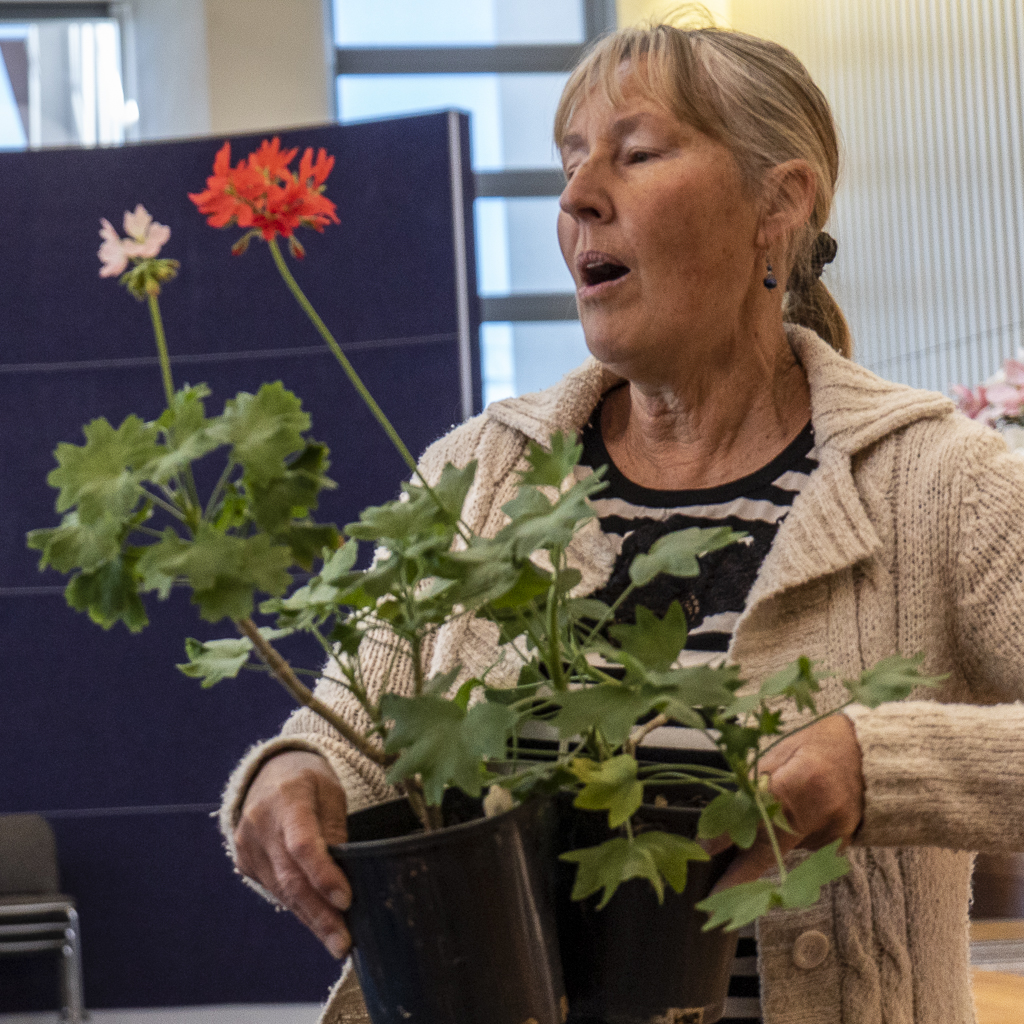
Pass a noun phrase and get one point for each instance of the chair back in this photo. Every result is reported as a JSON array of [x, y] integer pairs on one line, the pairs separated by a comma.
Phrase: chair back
[[28, 855]]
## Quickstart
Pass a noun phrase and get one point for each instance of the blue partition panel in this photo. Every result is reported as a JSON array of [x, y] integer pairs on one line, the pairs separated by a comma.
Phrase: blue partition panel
[[98, 730]]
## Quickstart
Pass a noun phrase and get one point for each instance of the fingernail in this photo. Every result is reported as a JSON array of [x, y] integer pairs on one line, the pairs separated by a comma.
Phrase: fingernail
[[336, 945], [340, 899]]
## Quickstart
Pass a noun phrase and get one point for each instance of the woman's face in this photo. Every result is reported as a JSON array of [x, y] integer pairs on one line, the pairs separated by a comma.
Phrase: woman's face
[[659, 232]]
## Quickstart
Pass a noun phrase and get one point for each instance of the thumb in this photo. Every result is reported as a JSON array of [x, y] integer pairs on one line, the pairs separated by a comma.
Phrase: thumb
[[748, 865]]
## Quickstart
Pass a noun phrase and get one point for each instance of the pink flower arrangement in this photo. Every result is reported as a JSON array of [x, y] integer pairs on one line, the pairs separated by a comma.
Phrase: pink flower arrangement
[[999, 400]]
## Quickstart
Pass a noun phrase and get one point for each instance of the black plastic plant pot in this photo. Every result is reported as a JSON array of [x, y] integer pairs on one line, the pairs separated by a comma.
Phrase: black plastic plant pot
[[638, 961], [454, 926]]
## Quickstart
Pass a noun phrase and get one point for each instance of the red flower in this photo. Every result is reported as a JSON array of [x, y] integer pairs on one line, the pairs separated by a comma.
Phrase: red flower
[[264, 195]]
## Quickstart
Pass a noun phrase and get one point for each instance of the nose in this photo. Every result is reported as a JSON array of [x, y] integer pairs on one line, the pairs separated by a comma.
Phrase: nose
[[586, 196]]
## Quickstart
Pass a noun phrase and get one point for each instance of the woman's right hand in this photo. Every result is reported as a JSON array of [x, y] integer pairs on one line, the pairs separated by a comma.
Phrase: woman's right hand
[[294, 809]]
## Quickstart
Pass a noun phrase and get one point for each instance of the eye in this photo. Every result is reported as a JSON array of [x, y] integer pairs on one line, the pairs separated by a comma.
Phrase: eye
[[639, 156]]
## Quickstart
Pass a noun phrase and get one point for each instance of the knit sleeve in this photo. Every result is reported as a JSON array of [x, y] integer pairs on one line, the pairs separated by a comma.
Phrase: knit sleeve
[[952, 774]]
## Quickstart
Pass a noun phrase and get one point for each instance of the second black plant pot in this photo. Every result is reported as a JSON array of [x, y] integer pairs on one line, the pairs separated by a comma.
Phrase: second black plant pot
[[454, 926], [635, 961]]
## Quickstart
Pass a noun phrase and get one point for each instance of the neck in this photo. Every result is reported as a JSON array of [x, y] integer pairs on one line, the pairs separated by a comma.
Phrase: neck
[[713, 422]]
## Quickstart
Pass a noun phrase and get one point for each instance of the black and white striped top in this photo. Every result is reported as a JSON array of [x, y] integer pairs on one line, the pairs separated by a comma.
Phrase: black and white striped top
[[634, 518]]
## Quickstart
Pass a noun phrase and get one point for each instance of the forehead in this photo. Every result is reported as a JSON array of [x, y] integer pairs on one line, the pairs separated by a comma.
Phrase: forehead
[[597, 114]]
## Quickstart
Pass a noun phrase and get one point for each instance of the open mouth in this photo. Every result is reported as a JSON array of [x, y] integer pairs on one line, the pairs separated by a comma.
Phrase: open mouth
[[599, 271]]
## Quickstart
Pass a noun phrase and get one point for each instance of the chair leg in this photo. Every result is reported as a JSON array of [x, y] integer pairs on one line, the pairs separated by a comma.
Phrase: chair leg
[[71, 972]]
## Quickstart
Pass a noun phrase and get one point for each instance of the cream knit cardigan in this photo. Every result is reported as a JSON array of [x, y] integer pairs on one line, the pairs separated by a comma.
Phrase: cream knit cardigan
[[908, 537]]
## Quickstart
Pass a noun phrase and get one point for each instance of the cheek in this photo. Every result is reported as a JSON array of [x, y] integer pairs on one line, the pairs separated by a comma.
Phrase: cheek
[[567, 238]]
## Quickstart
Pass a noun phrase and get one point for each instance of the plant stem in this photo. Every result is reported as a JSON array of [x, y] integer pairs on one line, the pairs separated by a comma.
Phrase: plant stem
[[769, 828], [303, 695], [554, 658], [332, 344], [807, 725], [429, 816], [610, 613], [357, 383], [161, 349], [165, 373], [166, 506], [218, 489], [641, 731]]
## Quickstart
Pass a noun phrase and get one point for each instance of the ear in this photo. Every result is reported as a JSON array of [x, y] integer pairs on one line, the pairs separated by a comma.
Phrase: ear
[[789, 192]]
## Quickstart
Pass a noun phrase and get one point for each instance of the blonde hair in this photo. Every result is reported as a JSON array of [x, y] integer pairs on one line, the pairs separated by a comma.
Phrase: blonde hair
[[753, 96]]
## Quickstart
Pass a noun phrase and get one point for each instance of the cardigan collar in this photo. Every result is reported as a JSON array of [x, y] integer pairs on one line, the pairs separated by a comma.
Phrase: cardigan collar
[[851, 409]]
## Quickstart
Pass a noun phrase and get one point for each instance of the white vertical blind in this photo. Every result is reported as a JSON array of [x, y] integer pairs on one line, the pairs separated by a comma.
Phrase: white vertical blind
[[929, 98]]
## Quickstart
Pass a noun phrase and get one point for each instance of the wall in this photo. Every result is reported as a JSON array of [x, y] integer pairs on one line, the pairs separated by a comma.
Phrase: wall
[[930, 216], [225, 66], [632, 12]]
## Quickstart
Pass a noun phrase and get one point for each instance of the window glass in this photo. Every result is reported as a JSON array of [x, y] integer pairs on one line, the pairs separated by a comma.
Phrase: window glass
[[519, 358], [361, 97], [511, 119], [511, 115], [455, 22], [61, 84], [14, 86], [543, 352], [534, 258]]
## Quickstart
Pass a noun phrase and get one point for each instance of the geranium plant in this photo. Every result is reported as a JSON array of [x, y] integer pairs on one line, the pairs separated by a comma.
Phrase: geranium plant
[[134, 522]]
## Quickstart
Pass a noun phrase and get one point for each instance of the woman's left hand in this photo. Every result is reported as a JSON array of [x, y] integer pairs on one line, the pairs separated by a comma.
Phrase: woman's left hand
[[816, 776]]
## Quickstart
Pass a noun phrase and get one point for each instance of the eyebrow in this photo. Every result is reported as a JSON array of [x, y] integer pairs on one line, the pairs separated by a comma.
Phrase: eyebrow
[[574, 141]]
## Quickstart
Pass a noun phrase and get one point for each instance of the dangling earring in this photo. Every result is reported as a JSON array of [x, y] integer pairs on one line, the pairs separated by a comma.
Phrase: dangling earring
[[769, 278]]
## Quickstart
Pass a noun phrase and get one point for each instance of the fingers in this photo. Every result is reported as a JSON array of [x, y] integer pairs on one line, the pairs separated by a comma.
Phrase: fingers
[[295, 807], [750, 865], [816, 776]]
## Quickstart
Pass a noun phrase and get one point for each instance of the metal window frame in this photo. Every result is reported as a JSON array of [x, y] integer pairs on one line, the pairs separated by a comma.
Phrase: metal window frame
[[545, 58], [599, 17], [17, 10]]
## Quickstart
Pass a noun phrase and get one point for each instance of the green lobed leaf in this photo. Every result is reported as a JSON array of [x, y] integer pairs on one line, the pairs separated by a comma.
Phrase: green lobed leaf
[[737, 740], [443, 743], [798, 680], [109, 593], [452, 487], [676, 553], [732, 813], [224, 571], [651, 855], [292, 494], [214, 660], [739, 905], [263, 429], [538, 524], [612, 708], [893, 678], [102, 476], [77, 545], [184, 425], [549, 467], [654, 642], [610, 786], [701, 686], [802, 887], [307, 540], [530, 584], [347, 636]]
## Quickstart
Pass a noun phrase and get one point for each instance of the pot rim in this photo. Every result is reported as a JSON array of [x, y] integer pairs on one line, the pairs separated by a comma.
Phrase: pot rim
[[422, 839]]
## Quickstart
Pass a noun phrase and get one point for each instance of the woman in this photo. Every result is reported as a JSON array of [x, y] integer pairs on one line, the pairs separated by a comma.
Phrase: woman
[[700, 171]]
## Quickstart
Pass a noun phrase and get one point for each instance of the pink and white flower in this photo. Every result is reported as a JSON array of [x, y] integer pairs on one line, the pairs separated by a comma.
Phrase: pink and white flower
[[145, 239]]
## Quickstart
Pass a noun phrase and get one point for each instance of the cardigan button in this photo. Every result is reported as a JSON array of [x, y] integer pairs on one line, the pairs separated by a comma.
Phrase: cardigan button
[[810, 950]]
